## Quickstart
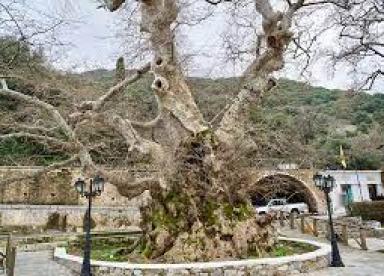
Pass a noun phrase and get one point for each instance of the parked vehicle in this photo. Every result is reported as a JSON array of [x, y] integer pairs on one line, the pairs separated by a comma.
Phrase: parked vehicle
[[281, 204]]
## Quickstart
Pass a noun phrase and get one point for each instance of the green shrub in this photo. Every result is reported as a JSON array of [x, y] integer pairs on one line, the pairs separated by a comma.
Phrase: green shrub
[[372, 210]]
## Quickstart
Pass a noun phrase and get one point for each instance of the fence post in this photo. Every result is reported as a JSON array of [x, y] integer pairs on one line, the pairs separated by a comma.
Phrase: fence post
[[10, 258], [344, 233], [302, 224], [281, 218], [292, 220], [314, 225], [363, 239], [8, 247]]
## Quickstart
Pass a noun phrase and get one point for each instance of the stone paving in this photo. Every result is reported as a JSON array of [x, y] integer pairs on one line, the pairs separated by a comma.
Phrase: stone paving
[[373, 244], [38, 264], [357, 262]]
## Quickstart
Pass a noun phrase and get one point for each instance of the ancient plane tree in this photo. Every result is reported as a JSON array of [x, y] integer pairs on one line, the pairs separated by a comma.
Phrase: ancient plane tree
[[197, 206]]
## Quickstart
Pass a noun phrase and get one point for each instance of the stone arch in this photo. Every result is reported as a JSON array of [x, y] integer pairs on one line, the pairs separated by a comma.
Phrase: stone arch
[[283, 185]]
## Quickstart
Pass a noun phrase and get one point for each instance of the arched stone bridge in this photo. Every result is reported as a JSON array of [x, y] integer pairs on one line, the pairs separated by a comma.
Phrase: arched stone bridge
[[297, 183]]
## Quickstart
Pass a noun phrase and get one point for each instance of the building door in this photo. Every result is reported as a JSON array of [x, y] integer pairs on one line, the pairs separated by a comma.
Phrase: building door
[[372, 189], [347, 194]]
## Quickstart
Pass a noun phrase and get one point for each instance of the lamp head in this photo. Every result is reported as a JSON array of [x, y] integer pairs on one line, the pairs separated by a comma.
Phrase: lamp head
[[319, 180], [98, 184], [80, 186], [329, 182]]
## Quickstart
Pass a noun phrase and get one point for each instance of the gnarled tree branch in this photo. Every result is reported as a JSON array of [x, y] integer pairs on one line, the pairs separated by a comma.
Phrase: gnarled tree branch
[[256, 78], [9, 93], [85, 159], [99, 103], [169, 84]]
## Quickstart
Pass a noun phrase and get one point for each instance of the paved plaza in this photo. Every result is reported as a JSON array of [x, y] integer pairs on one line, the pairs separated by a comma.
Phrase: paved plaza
[[357, 262], [38, 264]]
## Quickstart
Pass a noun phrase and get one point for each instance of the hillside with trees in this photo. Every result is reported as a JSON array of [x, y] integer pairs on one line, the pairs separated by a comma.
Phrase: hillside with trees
[[297, 122]]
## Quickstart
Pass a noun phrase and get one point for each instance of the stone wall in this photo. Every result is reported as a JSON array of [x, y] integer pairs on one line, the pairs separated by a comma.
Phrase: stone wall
[[264, 266], [303, 180], [35, 218], [354, 224], [56, 188], [50, 188]]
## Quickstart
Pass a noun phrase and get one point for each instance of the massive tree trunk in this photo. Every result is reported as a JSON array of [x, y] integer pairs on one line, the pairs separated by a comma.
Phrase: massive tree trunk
[[202, 211], [197, 207]]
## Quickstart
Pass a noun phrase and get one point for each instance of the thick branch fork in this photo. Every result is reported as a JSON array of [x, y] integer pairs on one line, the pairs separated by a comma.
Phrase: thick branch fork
[[256, 78]]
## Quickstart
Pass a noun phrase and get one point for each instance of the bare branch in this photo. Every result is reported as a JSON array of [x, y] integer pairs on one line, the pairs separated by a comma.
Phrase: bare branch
[[99, 103], [132, 188], [6, 92], [370, 80], [13, 19], [133, 139], [84, 156]]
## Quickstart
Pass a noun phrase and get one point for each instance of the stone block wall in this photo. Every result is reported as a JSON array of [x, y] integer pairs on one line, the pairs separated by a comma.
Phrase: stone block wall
[[56, 187], [35, 218], [289, 265], [353, 226], [50, 188]]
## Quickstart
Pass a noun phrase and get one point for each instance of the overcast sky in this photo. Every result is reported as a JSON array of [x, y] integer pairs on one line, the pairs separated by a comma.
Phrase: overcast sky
[[93, 45]]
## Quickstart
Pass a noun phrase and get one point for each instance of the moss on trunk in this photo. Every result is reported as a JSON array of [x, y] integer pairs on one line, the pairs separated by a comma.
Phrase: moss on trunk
[[201, 216]]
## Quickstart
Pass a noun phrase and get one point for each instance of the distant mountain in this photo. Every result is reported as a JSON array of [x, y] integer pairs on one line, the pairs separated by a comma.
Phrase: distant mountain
[[97, 74]]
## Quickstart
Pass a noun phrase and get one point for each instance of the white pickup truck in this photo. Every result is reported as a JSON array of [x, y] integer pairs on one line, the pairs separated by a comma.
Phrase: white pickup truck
[[280, 204]]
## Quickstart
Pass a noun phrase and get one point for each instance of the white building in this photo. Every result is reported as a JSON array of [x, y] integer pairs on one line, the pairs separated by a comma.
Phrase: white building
[[354, 186]]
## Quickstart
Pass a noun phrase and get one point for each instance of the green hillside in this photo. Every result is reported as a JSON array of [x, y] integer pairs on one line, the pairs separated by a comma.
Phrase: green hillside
[[296, 122]]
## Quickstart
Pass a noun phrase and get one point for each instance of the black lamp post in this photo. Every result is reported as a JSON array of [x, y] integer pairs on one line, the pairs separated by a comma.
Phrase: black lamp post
[[326, 184], [96, 186]]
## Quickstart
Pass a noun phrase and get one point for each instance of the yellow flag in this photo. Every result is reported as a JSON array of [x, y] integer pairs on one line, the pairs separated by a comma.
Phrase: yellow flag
[[342, 158]]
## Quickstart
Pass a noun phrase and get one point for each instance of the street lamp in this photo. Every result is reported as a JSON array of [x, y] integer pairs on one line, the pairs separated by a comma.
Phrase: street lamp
[[326, 184], [96, 186]]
